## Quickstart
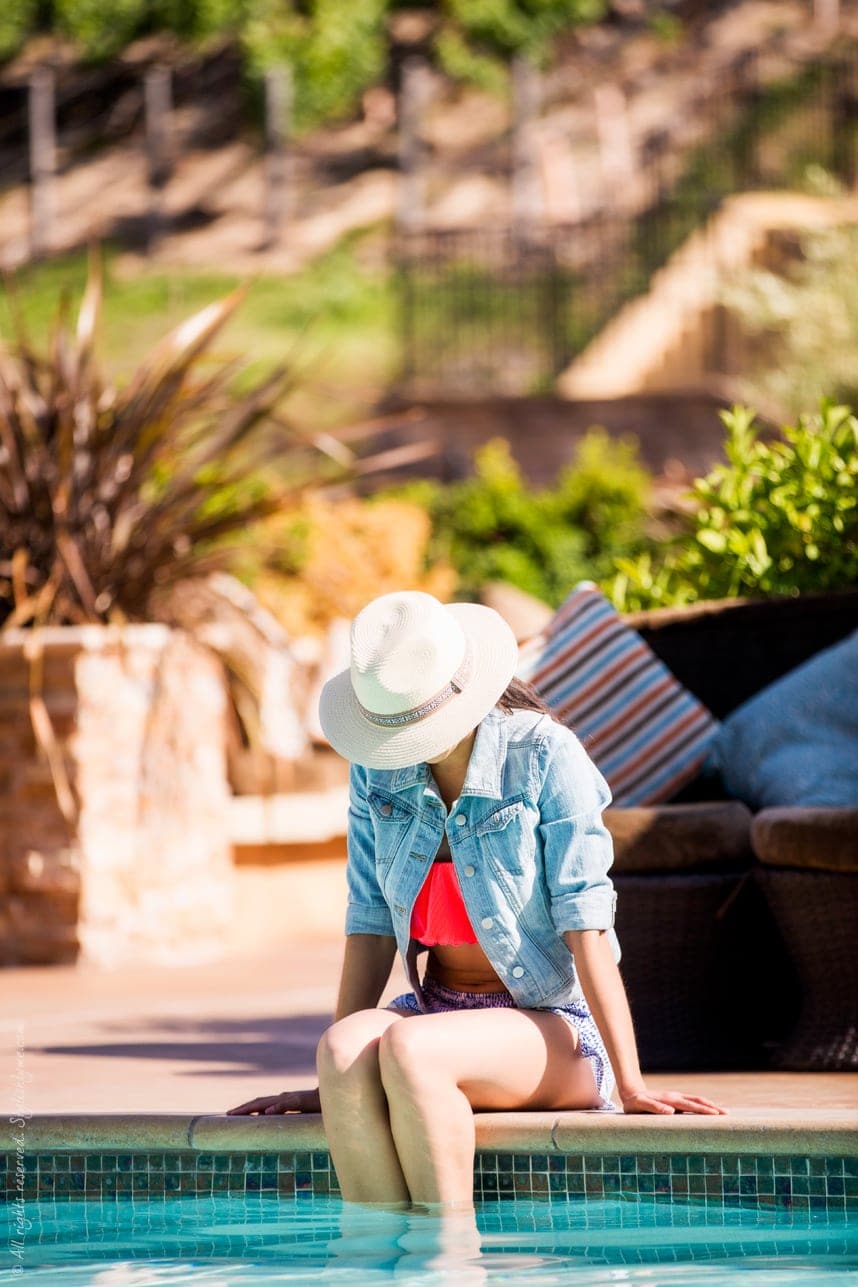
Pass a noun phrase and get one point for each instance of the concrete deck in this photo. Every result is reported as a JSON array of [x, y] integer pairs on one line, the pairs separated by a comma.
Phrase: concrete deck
[[152, 1058]]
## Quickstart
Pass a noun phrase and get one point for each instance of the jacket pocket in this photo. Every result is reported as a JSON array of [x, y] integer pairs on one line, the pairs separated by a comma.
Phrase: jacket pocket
[[391, 822], [506, 836]]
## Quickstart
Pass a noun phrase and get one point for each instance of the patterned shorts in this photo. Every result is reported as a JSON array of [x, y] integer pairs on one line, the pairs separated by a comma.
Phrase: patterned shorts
[[576, 1013]]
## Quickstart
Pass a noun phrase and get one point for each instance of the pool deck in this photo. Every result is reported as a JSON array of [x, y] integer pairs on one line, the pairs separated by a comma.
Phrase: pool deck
[[150, 1058]]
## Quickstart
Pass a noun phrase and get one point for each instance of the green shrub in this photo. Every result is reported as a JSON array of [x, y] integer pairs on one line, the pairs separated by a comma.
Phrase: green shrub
[[100, 29], [335, 50], [17, 20], [810, 318], [476, 39], [495, 526], [779, 518]]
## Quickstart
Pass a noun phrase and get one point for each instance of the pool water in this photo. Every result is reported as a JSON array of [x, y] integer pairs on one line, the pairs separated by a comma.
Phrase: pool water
[[234, 1240]]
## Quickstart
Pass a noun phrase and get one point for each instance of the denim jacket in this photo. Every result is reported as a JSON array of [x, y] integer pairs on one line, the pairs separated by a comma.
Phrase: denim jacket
[[527, 839]]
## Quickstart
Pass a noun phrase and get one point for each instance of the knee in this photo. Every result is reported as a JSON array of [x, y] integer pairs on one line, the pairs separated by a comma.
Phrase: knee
[[348, 1048], [405, 1057]]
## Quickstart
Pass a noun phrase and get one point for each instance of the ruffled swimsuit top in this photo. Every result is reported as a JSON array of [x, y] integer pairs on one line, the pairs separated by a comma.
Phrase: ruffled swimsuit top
[[439, 916]]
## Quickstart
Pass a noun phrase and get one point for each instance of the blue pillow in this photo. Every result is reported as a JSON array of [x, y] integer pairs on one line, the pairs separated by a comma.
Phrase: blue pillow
[[796, 741]]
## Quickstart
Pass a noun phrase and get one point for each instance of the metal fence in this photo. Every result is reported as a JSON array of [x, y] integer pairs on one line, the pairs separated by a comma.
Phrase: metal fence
[[505, 310]]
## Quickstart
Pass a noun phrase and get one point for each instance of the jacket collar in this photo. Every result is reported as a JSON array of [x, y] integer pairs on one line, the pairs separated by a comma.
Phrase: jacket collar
[[485, 767]]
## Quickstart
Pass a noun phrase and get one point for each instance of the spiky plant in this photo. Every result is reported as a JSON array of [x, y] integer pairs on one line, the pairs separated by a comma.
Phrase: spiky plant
[[109, 495]]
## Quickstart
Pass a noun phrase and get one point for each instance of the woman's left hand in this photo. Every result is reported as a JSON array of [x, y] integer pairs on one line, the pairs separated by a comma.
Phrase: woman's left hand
[[668, 1101]]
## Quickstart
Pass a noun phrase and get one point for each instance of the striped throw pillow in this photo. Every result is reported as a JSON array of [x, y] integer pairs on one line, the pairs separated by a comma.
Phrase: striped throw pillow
[[646, 733]]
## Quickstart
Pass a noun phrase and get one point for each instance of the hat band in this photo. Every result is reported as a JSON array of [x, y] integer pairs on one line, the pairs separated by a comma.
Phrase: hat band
[[417, 713]]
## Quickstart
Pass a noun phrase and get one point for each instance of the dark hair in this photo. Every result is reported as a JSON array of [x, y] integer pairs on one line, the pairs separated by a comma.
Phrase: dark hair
[[521, 696]]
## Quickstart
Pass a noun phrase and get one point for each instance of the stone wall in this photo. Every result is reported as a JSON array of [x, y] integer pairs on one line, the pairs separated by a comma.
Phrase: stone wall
[[140, 869]]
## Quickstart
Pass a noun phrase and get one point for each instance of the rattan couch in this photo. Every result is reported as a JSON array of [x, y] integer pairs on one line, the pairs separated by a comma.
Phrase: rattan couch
[[738, 932]]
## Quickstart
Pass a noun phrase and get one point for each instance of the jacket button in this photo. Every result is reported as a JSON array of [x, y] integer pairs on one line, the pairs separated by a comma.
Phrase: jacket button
[[387, 810], [517, 972], [460, 820], [469, 870], [486, 922]]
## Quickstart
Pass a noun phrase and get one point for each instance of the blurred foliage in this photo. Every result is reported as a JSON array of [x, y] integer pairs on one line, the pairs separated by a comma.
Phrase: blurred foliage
[[17, 19], [805, 324], [667, 27], [337, 315], [477, 38], [100, 30], [110, 496], [325, 559], [779, 518], [336, 50], [496, 526]]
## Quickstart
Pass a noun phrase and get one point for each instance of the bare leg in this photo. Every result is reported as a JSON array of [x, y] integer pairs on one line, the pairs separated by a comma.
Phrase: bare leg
[[439, 1068], [355, 1111]]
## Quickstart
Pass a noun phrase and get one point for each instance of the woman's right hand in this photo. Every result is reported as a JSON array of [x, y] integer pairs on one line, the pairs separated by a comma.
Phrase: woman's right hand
[[288, 1101]]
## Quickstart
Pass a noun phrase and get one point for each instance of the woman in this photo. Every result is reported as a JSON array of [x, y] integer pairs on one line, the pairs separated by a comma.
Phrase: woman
[[476, 833]]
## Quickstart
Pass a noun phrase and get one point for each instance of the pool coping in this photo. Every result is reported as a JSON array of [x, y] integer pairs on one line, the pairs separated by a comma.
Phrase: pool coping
[[810, 1132]]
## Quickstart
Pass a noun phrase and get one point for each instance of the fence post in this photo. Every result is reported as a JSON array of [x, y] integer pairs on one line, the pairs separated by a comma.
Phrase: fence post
[[826, 16], [413, 98], [158, 105], [526, 102], [43, 159], [278, 127]]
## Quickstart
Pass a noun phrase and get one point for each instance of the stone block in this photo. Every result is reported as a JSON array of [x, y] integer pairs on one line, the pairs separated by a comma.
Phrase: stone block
[[145, 874]]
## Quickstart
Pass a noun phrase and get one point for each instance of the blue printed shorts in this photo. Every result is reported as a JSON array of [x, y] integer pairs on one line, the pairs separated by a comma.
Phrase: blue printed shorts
[[577, 1014]]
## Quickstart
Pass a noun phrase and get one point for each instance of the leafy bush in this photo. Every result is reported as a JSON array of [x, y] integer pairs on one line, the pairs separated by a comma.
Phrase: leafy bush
[[495, 526], [99, 29], [336, 50], [17, 19], [808, 317], [779, 518]]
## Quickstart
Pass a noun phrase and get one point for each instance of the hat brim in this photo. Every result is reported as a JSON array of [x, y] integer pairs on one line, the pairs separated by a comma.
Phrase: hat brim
[[494, 660]]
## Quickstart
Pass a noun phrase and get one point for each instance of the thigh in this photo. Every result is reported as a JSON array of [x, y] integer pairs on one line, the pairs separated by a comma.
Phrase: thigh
[[503, 1058], [358, 1034]]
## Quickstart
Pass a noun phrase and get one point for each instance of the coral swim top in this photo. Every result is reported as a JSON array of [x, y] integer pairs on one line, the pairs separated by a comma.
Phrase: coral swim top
[[439, 916]]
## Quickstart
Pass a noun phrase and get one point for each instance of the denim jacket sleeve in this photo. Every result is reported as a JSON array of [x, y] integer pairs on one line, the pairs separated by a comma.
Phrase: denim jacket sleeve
[[367, 911], [577, 846]]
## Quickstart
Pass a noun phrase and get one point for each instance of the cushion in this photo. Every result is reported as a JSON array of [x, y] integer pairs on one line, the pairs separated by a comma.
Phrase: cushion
[[646, 733], [680, 837], [796, 741], [826, 839]]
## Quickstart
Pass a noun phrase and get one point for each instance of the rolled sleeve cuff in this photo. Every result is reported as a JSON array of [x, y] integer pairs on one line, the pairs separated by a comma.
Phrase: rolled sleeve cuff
[[594, 910], [362, 918]]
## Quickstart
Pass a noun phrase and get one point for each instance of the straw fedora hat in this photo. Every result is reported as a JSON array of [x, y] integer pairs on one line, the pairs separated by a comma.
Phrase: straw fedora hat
[[422, 676]]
